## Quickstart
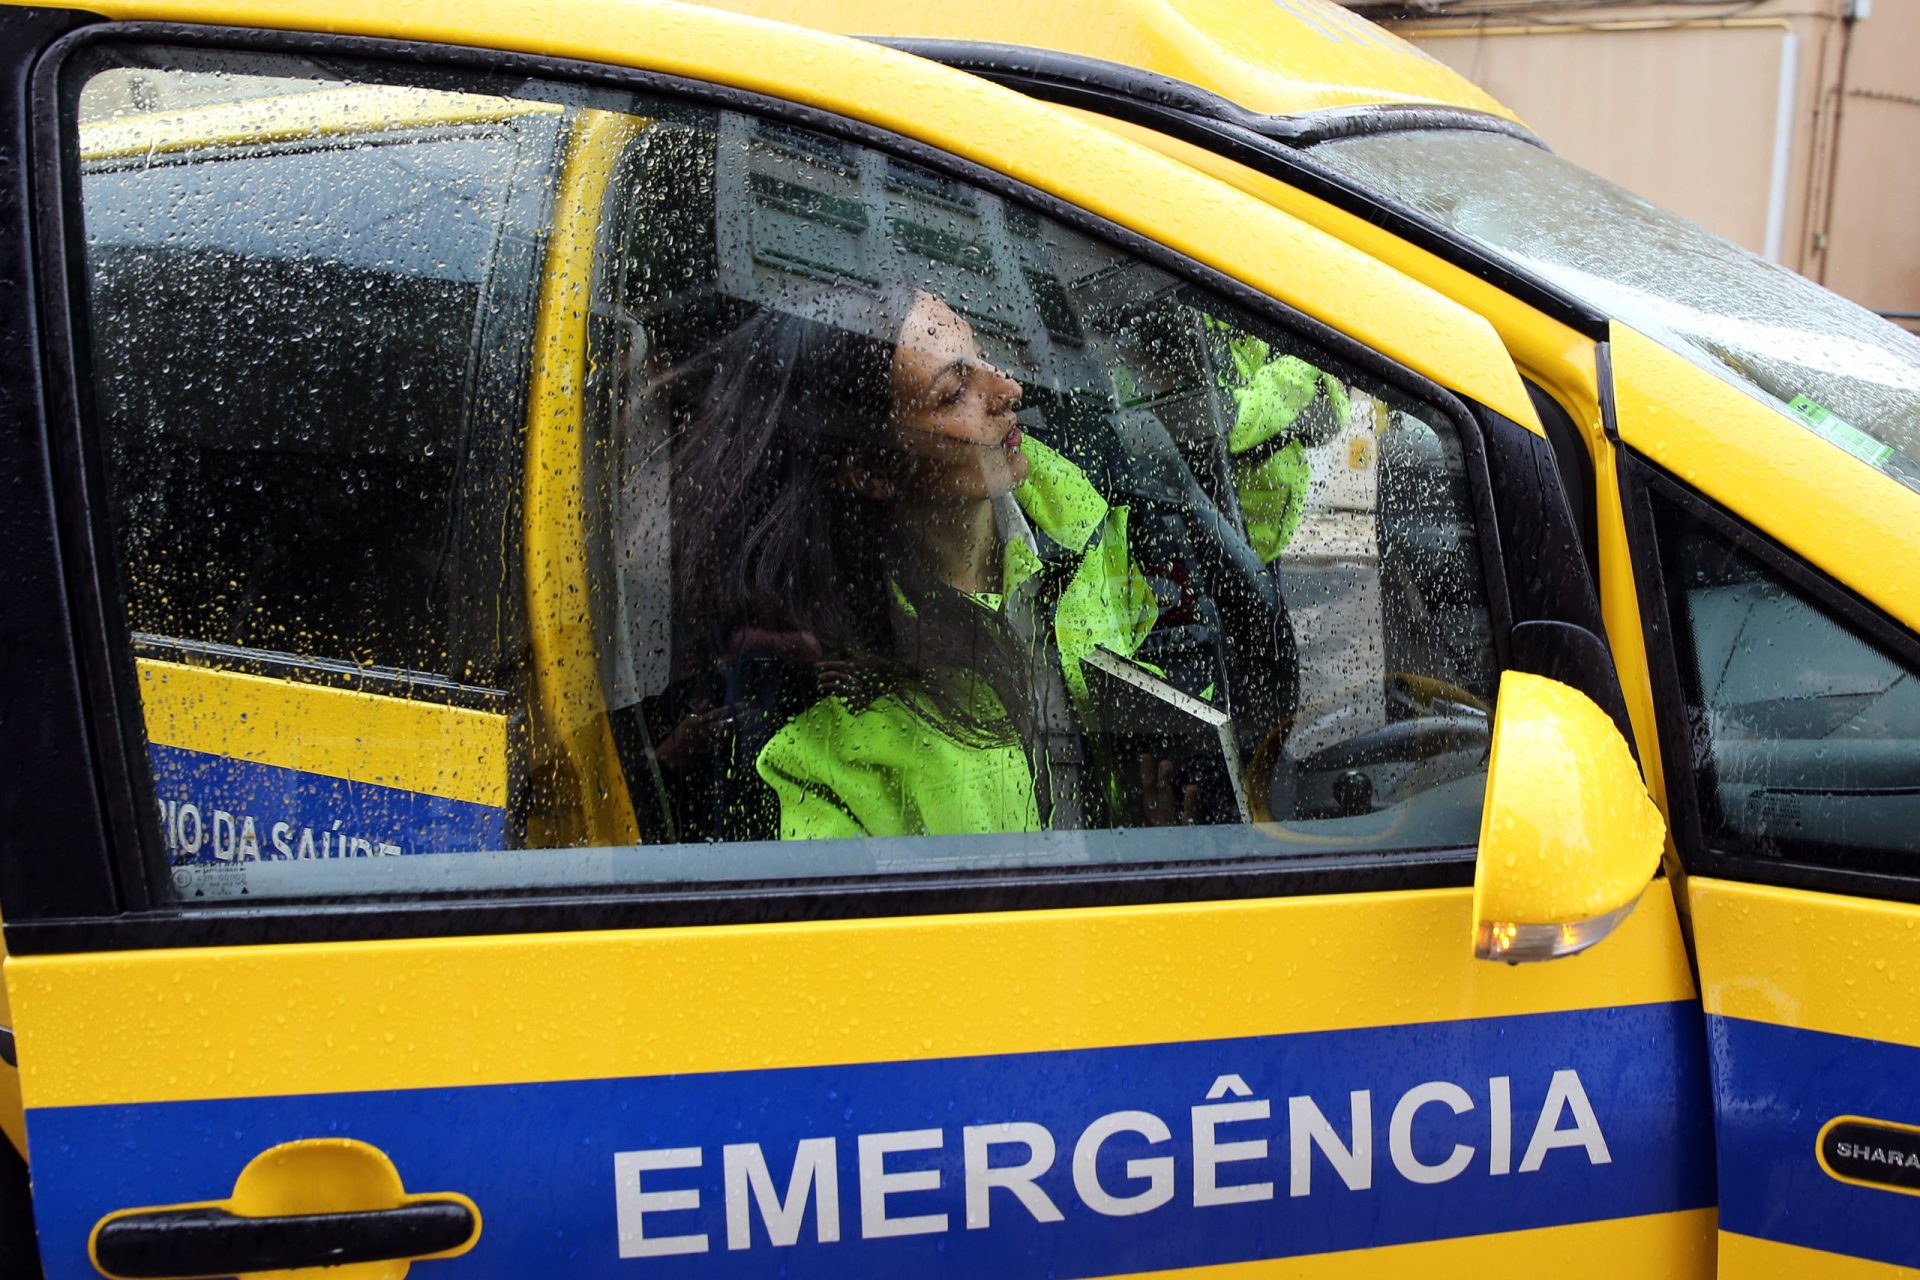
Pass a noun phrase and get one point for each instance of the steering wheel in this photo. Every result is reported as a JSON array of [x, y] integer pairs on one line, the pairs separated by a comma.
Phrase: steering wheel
[[1442, 732]]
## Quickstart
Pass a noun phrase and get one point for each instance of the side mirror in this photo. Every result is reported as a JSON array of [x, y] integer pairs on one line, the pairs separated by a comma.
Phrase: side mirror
[[1569, 838]]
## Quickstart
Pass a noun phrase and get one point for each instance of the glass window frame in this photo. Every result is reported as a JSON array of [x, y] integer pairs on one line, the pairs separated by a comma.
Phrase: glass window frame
[[133, 919], [1690, 772]]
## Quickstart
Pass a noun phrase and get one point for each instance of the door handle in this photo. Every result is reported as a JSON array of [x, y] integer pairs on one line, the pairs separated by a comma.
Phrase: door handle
[[202, 1242]]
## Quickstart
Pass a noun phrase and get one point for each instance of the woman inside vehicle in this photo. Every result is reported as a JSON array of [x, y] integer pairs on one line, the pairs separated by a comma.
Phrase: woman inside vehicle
[[868, 508]]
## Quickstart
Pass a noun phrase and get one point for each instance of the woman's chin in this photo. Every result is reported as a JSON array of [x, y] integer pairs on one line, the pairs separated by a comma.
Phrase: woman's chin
[[1018, 468], [991, 479]]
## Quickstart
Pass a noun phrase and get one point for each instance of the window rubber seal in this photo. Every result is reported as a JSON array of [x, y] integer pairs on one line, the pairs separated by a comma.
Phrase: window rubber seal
[[58, 804]]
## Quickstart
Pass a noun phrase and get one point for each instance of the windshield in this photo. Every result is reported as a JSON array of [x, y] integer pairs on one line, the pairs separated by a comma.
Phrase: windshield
[[1835, 368]]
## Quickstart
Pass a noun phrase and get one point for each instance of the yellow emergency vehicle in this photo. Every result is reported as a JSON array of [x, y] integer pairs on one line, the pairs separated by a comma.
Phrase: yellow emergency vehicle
[[1505, 570]]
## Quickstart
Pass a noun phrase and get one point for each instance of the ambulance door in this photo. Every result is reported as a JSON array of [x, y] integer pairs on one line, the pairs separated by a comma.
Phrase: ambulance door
[[1151, 952], [1782, 633]]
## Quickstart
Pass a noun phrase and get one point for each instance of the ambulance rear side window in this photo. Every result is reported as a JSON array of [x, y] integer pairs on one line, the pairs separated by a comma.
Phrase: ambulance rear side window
[[289, 363], [1805, 725]]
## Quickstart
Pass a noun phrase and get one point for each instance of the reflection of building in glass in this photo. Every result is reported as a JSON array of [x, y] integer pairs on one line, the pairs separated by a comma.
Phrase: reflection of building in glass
[[797, 211]]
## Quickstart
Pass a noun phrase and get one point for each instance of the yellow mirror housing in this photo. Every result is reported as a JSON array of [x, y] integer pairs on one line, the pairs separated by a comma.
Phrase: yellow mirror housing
[[1568, 838]]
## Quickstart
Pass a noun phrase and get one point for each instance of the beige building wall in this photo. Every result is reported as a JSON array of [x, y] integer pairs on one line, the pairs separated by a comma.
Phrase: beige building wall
[[1685, 119], [1787, 128], [1873, 233]]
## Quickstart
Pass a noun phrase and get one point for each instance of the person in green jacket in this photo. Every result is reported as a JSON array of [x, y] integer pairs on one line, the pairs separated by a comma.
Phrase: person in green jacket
[[1283, 406], [869, 490]]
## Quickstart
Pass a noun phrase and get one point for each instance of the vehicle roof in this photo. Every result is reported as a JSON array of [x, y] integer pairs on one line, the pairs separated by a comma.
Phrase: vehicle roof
[[1273, 57]]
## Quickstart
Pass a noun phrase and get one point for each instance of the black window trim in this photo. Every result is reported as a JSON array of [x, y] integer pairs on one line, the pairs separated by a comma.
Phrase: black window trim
[[1042, 72], [1687, 775], [140, 923], [55, 805], [1575, 465]]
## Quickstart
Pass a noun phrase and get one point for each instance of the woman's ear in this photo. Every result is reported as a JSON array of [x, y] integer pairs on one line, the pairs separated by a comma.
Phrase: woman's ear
[[860, 473]]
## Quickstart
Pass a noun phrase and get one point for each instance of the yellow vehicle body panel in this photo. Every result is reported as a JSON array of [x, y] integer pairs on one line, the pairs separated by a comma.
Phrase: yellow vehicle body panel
[[1851, 520], [1813, 1024], [458, 753], [499, 1028], [1620, 608], [435, 1013], [975, 120], [1591, 1251], [559, 583], [160, 1031], [1843, 966], [1277, 57], [1745, 1258]]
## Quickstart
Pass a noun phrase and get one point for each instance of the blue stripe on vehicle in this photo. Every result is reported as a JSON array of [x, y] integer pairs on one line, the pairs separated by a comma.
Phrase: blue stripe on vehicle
[[1775, 1088], [215, 809], [540, 1159]]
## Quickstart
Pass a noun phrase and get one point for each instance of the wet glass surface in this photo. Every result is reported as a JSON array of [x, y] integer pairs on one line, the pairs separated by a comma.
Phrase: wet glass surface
[[1808, 734], [621, 480], [1833, 367]]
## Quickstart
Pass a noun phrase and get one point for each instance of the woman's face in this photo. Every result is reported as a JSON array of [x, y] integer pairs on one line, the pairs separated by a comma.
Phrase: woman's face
[[953, 410]]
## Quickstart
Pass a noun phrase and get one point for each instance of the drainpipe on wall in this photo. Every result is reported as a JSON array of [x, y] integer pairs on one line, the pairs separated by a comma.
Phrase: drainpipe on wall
[[1783, 113], [1853, 11]]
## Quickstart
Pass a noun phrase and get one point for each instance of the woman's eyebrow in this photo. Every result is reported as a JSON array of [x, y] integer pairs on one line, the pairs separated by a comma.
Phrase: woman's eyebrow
[[957, 369]]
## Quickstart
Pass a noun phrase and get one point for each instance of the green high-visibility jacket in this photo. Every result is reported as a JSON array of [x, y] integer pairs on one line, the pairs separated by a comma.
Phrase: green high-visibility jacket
[[883, 770], [1270, 437]]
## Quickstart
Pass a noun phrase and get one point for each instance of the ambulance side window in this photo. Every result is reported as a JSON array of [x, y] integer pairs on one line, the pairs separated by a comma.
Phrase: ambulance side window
[[1806, 726], [604, 489], [1268, 598]]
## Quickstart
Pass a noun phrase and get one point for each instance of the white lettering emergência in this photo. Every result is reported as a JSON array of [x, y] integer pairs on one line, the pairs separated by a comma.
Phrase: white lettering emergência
[[632, 1205], [1400, 1132], [900, 1174], [1157, 1172], [1565, 1094], [978, 1142], [813, 1170], [1310, 1128], [876, 1184], [1499, 1126], [1209, 1153]]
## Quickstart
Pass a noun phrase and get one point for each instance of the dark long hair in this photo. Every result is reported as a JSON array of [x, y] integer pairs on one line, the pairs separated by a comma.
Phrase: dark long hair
[[767, 535]]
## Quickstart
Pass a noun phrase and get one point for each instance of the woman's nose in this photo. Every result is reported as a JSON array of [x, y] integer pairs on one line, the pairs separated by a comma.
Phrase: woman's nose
[[1009, 388]]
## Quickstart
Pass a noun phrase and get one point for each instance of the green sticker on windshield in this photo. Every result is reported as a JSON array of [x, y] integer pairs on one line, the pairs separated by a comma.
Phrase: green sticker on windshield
[[1841, 432]]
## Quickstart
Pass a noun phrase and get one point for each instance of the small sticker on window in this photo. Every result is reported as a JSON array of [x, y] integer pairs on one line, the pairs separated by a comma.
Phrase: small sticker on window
[[1839, 431]]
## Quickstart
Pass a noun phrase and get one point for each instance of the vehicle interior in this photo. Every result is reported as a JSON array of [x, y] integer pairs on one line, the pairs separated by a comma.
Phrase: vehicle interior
[[1120, 376]]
